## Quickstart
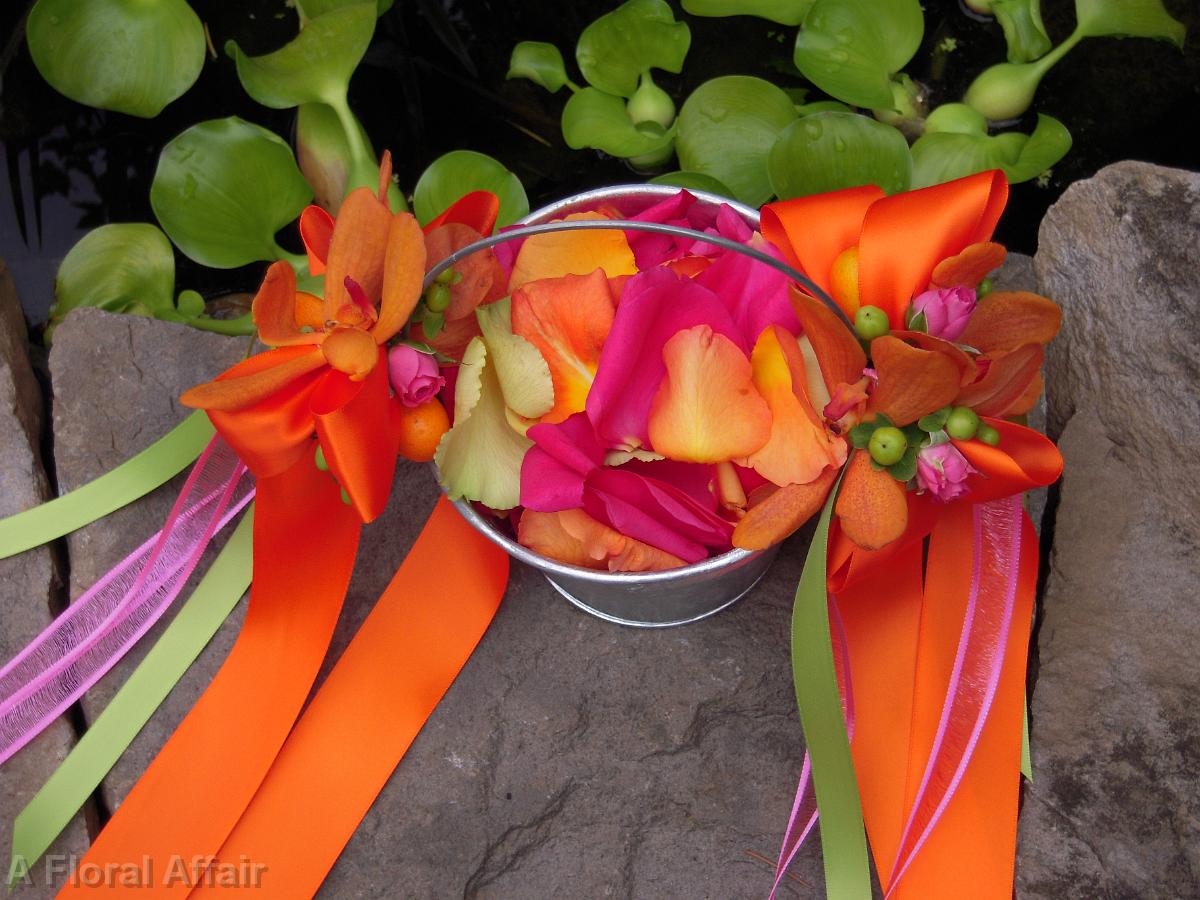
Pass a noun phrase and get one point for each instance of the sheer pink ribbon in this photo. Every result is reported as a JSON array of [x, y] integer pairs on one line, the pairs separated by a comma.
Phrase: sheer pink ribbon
[[83, 643], [804, 809]]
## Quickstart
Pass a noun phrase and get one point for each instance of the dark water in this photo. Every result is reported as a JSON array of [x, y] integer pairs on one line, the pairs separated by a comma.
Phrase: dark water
[[434, 81]]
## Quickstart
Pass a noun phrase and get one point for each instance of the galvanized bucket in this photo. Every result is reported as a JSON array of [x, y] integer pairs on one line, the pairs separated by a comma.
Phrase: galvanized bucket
[[641, 599]]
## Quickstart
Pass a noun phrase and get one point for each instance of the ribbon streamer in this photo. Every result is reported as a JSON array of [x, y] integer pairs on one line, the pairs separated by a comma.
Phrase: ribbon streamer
[[83, 643]]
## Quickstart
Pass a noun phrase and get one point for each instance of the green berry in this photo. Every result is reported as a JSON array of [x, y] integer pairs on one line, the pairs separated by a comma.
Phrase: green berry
[[988, 435], [984, 288], [438, 298], [446, 276], [962, 423], [870, 322], [887, 445], [319, 459]]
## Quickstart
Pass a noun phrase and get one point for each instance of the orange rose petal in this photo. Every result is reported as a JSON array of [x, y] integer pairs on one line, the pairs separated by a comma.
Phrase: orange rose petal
[[688, 266], [966, 365], [1008, 377], [1005, 320], [572, 253], [970, 267], [838, 351], [568, 320], [574, 537], [453, 338], [351, 350], [309, 311], [239, 391], [799, 447], [706, 410], [872, 508], [482, 278], [360, 236], [403, 272], [274, 309], [781, 511], [912, 382]]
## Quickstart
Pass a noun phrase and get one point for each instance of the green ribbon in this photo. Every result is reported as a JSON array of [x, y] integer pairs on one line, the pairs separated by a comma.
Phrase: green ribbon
[[134, 478], [47, 814], [843, 835]]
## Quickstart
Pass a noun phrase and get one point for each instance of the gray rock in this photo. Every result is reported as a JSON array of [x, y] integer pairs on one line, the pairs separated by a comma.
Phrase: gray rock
[[1114, 808], [116, 381], [29, 583]]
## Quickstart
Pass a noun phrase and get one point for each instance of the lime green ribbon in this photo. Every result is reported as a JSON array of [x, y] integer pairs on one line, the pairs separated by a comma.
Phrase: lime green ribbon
[[51, 809], [843, 835], [134, 478]]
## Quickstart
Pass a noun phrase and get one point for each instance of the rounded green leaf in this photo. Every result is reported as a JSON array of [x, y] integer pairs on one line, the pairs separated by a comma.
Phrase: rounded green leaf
[[785, 12], [637, 36], [833, 150], [693, 181], [727, 127], [457, 173], [943, 156], [598, 120], [126, 55], [1128, 18], [316, 65], [539, 62], [115, 267], [957, 118], [223, 188], [851, 48]]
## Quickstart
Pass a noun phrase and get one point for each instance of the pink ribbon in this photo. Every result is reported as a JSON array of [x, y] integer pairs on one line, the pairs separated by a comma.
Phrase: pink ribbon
[[83, 643], [804, 809]]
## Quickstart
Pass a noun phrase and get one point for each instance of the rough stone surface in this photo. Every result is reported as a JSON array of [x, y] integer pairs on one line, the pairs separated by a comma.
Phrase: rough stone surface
[[29, 583], [116, 382], [1114, 808]]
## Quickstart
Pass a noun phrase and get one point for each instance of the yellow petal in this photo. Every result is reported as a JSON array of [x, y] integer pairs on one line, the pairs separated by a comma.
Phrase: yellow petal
[[572, 253]]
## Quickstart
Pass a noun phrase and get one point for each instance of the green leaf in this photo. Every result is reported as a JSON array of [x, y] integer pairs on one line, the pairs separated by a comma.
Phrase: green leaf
[[956, 118], [943, 156], [539, 62], [637, 36], [833, 150], [458, 173], [115, 267], [1128, 18], [935, 421], [906, 469], [313, 8], [851, 48], [316, 65], [223, 188], [692, 181], [598, 120], [1024, 32], [328, 161], [727, 127], [820, 106], [785, 12], [860, 434], [125, 55]]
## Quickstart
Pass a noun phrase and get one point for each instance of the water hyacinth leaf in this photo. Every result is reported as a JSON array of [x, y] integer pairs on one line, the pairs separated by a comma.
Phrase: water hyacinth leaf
[[833, 150], [819, 106], [1128, 18], [956, 118], [785, 12], [943, 156], [523, 373], [727, 127], [325, 157], [114, 267], [455, 174], [851, 48], [637, 36], [480, 457], [130, 57], [316, 65], [223, 188], [1024, 33], [310, 9], [598, 120], [540, 62], [693, 181]]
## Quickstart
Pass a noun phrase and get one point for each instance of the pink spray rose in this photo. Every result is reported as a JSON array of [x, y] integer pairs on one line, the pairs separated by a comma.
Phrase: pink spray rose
[[947, 310], [414, 375], [943, 471]]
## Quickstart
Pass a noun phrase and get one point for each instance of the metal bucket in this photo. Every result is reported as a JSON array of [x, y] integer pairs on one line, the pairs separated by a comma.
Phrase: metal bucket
[[642, 599]]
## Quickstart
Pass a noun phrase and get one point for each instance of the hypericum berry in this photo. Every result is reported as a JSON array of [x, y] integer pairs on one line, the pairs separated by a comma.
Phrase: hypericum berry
[[437, 298], [962, 423], [988, 434], [887, 445], [984, 288], [870, 322]]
